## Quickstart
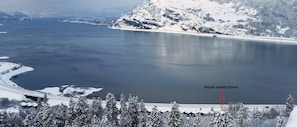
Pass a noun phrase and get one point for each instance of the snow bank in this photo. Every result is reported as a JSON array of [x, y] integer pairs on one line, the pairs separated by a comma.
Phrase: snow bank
[[292, 122], [8, 70], [70, 90], [4, 57]]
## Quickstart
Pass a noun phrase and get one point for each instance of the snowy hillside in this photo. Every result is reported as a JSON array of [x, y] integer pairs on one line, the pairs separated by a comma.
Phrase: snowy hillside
[[13, 16], [226, 17]]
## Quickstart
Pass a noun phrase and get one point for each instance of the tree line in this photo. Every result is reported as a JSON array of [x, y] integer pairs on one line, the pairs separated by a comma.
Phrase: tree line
[[132, 113]]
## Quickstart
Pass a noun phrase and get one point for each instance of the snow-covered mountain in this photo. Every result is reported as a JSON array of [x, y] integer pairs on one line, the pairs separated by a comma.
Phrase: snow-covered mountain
[[229, 17], [13, 16]]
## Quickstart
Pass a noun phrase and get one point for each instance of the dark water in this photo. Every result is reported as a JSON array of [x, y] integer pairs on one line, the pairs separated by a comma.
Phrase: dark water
[[158, 67]]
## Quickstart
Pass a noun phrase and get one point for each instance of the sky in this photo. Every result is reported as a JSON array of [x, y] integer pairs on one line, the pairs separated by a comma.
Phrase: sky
[[50, 8]]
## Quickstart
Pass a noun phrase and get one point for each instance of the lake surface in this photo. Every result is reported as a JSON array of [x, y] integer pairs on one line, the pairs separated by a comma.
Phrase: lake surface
[[158, 67]]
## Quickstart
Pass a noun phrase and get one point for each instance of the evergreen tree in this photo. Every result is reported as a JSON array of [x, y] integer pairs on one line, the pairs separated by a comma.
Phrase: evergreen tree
[[133, 110], [81, 112], [70, 112], [45, 99], [16, 120], [215, 121], [143, 116], [174, 116], [111, 110], [60, 117], [280, 122], [221, 120], [197, 120], [96, 108], [289, 104], [227, 120], [29, 120], [38, 119], [241, 119], [47, 116], [95, 121], [4, 119], [154, 119], [256, 114], [125, 119]]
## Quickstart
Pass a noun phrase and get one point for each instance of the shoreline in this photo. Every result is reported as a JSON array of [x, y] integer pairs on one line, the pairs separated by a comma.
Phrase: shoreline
[[277, 40]]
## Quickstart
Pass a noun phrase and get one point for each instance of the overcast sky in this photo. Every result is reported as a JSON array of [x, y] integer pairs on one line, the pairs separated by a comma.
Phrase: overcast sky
[[68, 7]]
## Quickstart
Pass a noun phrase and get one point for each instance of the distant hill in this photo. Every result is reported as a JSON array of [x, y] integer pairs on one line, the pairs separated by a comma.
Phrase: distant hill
[[13, 16]]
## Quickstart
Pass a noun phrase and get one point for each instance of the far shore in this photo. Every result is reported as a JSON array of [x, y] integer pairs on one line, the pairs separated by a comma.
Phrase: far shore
[[280, 40]]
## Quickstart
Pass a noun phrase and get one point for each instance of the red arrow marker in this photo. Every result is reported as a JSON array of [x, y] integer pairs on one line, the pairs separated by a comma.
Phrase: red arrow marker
[[222, 99]]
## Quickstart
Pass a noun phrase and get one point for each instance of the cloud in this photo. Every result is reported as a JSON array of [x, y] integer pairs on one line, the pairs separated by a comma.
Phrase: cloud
[[67, 7]]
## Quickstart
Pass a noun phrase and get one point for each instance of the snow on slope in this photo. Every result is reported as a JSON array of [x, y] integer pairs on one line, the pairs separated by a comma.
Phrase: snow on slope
[[202, 16], [70, 90], [215, 18], [292, 121]]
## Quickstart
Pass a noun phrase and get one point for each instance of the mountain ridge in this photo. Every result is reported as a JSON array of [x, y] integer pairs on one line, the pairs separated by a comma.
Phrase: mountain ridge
[[206, 16]]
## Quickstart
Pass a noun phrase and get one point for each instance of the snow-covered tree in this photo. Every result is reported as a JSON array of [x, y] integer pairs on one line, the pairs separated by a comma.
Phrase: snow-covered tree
[[221, 120], [125, 118], [289, 104], [256, 114], [143, 116], [81, 112], [38, 120], [280, 122], [133, 110], [47, 116], [16, 120], [95, 121], [96, 108], [4, 119], [60, 115], [70, 112], [197, 120], [29, 120], [174, 116], [45, 99], [154, 119], [241, 117], [111, 110]]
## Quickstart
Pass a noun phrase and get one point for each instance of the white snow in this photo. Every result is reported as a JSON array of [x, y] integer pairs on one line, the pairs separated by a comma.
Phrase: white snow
[[10, 110], [4, 57], [292, 121], [282, 30], [51, 90], [70, 90]]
